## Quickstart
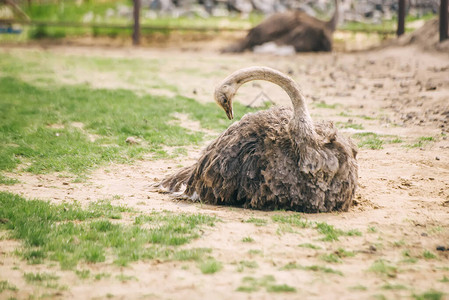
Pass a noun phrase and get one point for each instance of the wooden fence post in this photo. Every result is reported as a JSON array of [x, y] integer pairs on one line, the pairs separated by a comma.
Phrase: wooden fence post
[[443, 21], [401, 18], [136, 15]]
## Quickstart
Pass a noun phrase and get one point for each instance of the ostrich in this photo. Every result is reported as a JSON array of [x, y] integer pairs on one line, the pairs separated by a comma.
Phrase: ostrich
[[272, 159], [296, 28]]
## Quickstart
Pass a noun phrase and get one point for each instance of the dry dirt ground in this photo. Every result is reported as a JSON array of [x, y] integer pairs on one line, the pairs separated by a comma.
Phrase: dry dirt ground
[[401, 205]]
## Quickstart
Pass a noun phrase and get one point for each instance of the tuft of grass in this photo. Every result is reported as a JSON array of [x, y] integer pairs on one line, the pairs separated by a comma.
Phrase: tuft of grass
[[82, 274], [428, 255], [343, 253], [196, 254], [350, 125], [7, 181], [372, 229], [389, 286], [369, 140], [255, 252], [332, 258], [102, 275], [251, 264], [292, 219], [66, 233], [39, 278], [308, 245], [421, 142], [323, 104], [444, 279], [210, 266], [251, 284], [122, 277], [408, 258], [5, 285], [257, 221], [332, 234], [429, 295], [247, 239], [314, 268], [280, 288], [381, 267]]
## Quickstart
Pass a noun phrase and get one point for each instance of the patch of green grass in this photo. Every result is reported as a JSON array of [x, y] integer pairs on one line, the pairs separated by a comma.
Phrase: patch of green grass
[[429, 295], [369, 140], [255, 252], [101, 275], [308, 245], [292, 219], [372, 229], [251, 264], [323, 104], [421, 142], [389, 286], [332, 234], [252, 284], [210, 266], [82, 274], [280, 288], [343, 253], [66, 233], [38, 278], [257, 221], [124, 277], [444, 279], [5, 285], [7, 181], [428, 255], [36, 122], [408, 258], [196, 254], [381, 267], [314, 268], [331, 257], [247, 239]]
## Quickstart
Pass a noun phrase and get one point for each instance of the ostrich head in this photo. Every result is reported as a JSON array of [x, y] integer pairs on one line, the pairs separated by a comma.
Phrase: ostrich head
[[223, 96]]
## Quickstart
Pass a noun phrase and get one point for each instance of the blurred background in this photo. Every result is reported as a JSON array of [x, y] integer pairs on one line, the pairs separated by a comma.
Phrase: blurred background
[[362, 23]]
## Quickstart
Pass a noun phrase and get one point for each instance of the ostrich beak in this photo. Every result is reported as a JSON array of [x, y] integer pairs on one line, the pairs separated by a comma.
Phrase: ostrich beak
[[229, 111]]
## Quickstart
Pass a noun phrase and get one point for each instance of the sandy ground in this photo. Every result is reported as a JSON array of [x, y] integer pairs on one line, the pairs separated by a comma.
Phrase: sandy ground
[[402, 201]]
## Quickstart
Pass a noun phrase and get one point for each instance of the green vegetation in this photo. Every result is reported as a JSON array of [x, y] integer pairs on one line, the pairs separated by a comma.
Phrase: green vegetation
[[52, 127], [122, 277], [255, 252], [83, 274], [314, 268], [369, 140], [323, 104], [381, 267], [332, 234], [389, 286], [444, 279], [251, 284], [428, 255], [429, 295], [250, 264], [408, 258], [257, 221], [210, 266], [292, 219], [68, 234], [421, 142], [5, 285], [331, 257], [40, 278], [308, 245], [247, 239], [7, 181]]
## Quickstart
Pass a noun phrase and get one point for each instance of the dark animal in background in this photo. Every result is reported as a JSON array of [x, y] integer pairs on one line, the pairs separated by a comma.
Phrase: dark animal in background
[[273, 159], [296, 28]]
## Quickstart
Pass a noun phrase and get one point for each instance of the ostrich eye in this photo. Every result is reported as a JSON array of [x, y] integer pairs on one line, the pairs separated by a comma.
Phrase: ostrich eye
[[225, 100]]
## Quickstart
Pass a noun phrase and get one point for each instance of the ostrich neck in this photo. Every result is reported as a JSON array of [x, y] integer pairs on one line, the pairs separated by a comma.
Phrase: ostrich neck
[[301, 125]]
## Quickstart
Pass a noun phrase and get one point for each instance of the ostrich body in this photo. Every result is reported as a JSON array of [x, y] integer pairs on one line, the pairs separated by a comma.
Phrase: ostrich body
[[296, 28], [272, 159]]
